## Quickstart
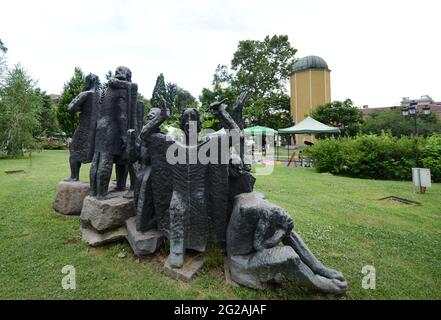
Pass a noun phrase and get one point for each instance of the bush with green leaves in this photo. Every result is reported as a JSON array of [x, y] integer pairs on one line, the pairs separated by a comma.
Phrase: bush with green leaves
[[431, 156], [372, 156]]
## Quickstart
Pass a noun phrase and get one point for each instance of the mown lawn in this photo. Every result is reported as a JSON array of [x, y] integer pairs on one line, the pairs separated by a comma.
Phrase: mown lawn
[[341, 219]]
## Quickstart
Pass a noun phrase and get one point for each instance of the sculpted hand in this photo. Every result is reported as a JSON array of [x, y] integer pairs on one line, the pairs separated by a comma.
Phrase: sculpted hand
[[240, 101], [217, 107], [165, 110]]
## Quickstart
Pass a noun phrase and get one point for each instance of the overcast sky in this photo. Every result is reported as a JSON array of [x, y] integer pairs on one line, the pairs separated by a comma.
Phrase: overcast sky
[[378, 51]]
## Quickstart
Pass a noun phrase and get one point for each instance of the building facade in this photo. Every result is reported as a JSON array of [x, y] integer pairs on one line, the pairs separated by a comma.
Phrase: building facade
[[435, 107], [310, 86]]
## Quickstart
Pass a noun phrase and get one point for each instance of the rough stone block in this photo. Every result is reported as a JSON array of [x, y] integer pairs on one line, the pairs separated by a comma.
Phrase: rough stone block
[[188, 270], [94, 238], [143, 243], [227, 273], [70, 196], [109, 213]]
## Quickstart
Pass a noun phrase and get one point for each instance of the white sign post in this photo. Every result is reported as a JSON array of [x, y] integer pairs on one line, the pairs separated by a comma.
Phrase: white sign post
[[421, 179]]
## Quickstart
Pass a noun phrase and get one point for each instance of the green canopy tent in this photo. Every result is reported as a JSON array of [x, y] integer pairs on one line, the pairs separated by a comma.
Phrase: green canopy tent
[[260, 131], [308, 126]]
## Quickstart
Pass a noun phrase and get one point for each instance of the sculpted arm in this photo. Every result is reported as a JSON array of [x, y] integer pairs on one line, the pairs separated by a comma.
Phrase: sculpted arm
[[152, 125], [75, 104], [219, 110]]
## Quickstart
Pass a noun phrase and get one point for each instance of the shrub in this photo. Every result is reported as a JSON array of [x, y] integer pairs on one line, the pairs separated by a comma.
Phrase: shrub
[[52, 143], [431, 157], [368, 156]]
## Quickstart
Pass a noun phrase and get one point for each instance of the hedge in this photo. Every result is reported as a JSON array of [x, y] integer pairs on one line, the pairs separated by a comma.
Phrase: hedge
[[377, 156]]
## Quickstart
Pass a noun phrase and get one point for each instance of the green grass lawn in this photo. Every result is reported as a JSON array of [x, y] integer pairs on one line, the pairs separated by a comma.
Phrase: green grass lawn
[[341, 219]]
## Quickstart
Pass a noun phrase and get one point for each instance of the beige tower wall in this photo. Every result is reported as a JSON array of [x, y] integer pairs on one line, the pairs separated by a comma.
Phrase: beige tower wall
[[309, 89]]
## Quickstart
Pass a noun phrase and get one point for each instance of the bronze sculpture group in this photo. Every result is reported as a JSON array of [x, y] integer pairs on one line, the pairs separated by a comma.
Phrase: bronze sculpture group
[[191, 201]]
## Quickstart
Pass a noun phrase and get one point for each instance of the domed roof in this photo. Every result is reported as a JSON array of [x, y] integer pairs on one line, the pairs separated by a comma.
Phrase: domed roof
[[309, 62]]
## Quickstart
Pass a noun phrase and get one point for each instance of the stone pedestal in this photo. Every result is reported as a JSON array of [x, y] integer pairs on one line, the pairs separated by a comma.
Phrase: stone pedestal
[[70, 196], [94, 238], [109, 213], [188, 270], [143, 243], [227, 273]]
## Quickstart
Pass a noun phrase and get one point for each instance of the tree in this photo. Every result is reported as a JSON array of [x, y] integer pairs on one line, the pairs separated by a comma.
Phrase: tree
[[69, 121], [176, 98], [261, 68], [159, 91], [342, 114], [20, 107], [48, 116], [3, 51], [147, 105], [394, 122], [171, 90], [3, 48], [180, 98], [272, 111]]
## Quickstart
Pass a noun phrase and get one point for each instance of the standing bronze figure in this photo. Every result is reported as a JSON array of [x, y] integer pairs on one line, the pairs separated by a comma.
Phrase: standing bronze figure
[[83, 141]]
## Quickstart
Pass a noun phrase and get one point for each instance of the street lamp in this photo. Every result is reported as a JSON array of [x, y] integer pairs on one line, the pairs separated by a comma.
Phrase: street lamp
[[426, 110], [405, 111], [411, 109]]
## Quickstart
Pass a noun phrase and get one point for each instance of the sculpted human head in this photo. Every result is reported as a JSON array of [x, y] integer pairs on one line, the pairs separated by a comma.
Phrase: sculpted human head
[[190, 117], [92, 81], [123, 73], [153, 113]]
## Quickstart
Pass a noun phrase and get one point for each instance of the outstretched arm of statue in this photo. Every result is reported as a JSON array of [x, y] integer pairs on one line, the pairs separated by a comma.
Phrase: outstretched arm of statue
[[158, 118], [238, 110], [219, 110], [77, 102]]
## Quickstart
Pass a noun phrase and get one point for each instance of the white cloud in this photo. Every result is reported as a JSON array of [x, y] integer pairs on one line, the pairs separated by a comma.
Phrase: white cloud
[[378, 51]]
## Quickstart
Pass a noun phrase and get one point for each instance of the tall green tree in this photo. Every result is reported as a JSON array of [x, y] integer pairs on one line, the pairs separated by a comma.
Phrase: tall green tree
[[69, 121], [342, 114], [171, 92], [394, 122], [3, 51], [20, 108], [176, 98], [179, 98], [159, 91], [48, 116], [261, 68]]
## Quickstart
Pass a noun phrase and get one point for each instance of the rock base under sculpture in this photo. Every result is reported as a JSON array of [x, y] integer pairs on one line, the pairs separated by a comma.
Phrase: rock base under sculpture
[[94, 238], [227, 273], [70, 196], [143, 243], [109, 213], [188, 270]]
